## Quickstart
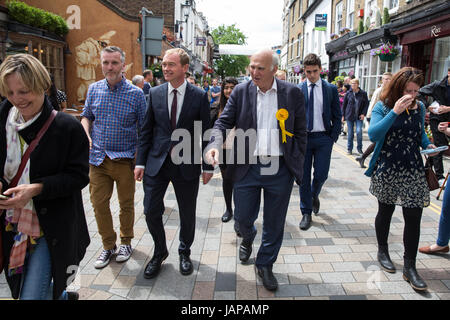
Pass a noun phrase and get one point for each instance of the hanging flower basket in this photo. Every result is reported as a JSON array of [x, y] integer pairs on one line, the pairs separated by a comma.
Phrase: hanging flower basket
[[387, 57], [386, 52]]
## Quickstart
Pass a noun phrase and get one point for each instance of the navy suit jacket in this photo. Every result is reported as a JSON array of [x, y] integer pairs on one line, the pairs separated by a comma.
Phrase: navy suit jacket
[[353, 108], [331, 108], [240, 112], [155, 135]]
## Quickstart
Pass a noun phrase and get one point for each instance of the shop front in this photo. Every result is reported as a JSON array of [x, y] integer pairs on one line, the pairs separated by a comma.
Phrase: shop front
[[370, 68], [426, 44], [342, 62]]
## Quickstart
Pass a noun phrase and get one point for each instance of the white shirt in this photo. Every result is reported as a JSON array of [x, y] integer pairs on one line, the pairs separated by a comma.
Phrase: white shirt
[[318, 105], [268, 136], [181, 90]]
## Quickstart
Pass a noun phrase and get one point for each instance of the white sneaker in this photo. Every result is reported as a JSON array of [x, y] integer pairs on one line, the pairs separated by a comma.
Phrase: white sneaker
[[441, 182], [104, 258], [124, 254]]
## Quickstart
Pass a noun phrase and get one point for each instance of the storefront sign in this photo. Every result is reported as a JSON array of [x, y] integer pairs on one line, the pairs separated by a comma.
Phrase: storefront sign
[[435, 31], [321, 22], [200, 41]]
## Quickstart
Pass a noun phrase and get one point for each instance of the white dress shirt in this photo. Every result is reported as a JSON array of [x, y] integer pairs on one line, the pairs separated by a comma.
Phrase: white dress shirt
[[181, 90], [268, 136], [318, 105]]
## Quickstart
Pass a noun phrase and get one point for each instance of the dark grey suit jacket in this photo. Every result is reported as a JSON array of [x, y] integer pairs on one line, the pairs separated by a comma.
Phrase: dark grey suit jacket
[[155, 136], [240, 112]]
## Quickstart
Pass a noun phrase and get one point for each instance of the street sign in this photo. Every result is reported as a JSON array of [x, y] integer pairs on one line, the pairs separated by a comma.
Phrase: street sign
[[151, 40], [321, 22]]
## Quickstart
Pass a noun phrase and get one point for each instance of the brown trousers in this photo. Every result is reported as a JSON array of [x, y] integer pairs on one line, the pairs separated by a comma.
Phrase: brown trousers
[[101, 188]]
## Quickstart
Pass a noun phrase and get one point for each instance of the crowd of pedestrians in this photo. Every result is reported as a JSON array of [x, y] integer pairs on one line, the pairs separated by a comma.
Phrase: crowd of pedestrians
[[267, 134]]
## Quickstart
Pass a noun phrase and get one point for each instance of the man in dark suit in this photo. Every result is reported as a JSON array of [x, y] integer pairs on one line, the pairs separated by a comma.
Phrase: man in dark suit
[[268, 159], [323, 115], [173, 108]]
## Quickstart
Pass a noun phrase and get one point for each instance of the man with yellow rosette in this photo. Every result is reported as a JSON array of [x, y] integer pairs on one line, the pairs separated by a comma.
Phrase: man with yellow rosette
[[323, 115], [268, 154]]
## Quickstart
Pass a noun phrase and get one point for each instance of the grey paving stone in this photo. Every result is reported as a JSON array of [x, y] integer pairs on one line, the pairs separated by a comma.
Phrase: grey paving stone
[[292, 290], [359, 297], [139, 293], [337, 277], [320, 242], [320, 290], [225, 281]]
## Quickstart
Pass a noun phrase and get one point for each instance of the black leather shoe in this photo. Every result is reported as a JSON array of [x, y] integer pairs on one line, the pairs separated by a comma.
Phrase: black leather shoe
[[305, 224], [154, 266], [384, 259], [361, 161], [227, 216], [268, 279], [410, 275], [315, 205], [72, 295], [245, 251], [186, 267]]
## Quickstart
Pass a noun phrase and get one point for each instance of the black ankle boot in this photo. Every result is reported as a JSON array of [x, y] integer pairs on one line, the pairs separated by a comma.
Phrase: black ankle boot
[[384, 259], [410, 274]]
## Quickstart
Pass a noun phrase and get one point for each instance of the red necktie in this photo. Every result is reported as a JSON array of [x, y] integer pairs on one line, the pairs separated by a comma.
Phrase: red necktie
[[173, 113]]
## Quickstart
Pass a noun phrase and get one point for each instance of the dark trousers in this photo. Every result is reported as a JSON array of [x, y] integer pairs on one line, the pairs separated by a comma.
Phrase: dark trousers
[[318, 155], [247, 198], [439, 139], [186, 192], [227, 187], [411, 232]]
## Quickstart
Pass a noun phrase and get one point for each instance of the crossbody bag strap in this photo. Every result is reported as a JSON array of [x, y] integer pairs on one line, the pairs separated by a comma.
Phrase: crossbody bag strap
[[30, 149]]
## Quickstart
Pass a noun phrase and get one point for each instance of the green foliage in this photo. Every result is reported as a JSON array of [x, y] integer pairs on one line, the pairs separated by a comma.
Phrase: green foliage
[[230, 65], [36, 17], [361, 27], [386, 17], [341, 78]]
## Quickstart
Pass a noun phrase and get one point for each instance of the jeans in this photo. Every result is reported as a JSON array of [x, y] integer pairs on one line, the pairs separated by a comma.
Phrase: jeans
[[37, 279], [359, 125], [444, 222]]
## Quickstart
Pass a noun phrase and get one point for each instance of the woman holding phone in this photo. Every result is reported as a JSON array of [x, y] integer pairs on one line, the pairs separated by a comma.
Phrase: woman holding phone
[[44, 231], [396, 168]]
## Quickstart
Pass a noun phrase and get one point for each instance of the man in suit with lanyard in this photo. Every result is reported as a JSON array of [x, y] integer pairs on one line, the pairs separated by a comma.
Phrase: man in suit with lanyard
[[173, 108], [276, 109], [323, 115]]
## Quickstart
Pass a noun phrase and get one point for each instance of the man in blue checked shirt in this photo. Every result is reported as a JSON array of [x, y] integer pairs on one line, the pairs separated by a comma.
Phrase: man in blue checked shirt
[[113, 112]]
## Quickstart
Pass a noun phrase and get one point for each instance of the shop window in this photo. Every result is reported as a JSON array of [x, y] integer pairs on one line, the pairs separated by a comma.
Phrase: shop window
[[338, 25], [441, 59]]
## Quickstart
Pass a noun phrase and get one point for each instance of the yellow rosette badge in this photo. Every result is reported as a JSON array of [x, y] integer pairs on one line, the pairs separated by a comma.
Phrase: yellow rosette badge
[[282, 115]]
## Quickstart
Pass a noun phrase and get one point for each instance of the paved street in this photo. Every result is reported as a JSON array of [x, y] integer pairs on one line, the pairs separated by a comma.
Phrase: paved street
[[334, 259]]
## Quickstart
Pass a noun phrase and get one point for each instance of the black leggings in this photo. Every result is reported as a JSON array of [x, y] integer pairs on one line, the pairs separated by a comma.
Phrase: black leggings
[[411, 232], [227, 186]]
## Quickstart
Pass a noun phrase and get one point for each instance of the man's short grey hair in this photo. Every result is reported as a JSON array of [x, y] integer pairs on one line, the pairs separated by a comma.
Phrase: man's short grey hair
[[137, 79], [112, 49], [275, 60]]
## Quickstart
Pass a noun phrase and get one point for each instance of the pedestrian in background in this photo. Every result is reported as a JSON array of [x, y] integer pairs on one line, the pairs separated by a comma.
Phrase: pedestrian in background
[[227, 183], [44, 230], [148, 79], [273, 159], [113, 112], [57, 97], [281, 75], [177, 105], [354, 110], [439, 91], [396, 168], [386, 78], [215, 98], [323, 115], [441, 245]]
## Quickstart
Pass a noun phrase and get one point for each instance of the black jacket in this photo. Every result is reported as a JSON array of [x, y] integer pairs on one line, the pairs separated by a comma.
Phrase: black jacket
[[352, 108], [437, 90], [61, 163]]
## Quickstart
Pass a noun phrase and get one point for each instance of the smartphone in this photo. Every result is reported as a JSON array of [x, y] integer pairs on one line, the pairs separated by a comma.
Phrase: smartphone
[[3, 197]]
